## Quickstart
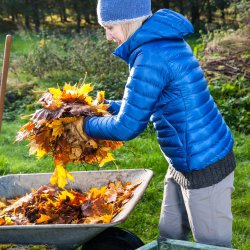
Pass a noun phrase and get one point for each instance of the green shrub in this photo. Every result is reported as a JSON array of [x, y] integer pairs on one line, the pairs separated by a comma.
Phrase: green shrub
[[233, 100], [64, 59], [18, 101]]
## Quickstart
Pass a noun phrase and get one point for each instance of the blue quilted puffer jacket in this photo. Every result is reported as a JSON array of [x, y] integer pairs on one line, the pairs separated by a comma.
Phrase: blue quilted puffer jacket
[[167, 86]]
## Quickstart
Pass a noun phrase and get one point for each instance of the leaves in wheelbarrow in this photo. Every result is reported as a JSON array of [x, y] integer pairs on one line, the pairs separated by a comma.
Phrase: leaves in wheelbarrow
[[53, 205], [57, 129]]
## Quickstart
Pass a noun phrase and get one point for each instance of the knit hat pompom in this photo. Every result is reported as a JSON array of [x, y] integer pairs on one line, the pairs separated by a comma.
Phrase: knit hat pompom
[[111, 12]]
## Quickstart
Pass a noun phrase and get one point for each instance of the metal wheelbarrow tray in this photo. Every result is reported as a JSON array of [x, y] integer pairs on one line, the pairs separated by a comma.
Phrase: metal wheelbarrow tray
[[68, 236]]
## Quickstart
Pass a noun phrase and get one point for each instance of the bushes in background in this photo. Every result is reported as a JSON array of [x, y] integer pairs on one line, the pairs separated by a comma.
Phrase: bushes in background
[[233, 100], [68, 59], [56, 60]]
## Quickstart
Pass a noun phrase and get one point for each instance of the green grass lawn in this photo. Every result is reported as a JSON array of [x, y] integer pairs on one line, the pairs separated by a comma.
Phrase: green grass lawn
[[142, 152], [21, 43]]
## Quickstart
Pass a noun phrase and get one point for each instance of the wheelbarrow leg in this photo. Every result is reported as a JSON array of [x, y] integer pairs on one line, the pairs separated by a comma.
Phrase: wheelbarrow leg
[[114, 238]]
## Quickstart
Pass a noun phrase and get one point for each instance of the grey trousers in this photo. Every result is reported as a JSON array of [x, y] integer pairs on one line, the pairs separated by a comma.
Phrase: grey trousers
[[205, 211]]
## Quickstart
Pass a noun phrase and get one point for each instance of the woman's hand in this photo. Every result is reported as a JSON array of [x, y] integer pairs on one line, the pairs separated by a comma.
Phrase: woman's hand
[[75, 130]]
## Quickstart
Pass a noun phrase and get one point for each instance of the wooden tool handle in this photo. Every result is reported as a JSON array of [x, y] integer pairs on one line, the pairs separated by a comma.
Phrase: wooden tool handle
[[6, 59]]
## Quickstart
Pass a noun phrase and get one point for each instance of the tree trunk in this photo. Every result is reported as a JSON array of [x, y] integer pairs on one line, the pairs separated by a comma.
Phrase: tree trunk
[[13, 17], [235, 9], [160, 4], [36, 18], [222, 5], [78, 16], [78, 23], [87, 18], [209, 12], [27, 22], [195, 11], [223, 15], [64, 16], [27, 14], [62, 11]]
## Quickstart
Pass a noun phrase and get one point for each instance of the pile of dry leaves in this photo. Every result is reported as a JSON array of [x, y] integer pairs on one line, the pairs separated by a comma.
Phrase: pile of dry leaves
[[56, 129], [52, 205]]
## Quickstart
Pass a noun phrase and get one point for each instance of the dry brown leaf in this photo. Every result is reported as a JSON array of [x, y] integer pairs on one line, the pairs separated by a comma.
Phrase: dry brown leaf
[[59, 206]]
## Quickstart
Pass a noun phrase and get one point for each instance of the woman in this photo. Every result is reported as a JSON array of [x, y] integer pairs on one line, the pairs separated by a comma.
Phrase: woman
[[167, 86]]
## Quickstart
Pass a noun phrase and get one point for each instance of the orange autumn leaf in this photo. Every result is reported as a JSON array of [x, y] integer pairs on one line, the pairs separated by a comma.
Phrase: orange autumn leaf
[[60, 176], [95, 192], [106, 218], [29, 126], [92, 143], [2, 205], [68, 87], [40, 153], [57, 93], [2, 221], [58, 125], [43, 218], [99, 219], [8, 220], [66, 120], [85, 89], [108, 158], [57, 128], [100, 96], [64, 194], [88, 100]]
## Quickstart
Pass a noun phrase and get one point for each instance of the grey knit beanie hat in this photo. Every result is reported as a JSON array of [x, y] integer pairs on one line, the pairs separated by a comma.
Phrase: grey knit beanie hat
[[111, 12]]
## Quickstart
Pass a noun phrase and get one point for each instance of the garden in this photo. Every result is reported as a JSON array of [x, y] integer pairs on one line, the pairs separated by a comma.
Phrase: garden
[[55, 53]]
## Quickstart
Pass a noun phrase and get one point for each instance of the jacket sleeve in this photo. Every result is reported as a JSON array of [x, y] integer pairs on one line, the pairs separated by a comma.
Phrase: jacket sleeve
[[114, 106], [142, 90]]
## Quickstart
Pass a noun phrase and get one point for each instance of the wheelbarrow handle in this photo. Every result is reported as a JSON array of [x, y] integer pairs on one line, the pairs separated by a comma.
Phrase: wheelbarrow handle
[[6, 59]]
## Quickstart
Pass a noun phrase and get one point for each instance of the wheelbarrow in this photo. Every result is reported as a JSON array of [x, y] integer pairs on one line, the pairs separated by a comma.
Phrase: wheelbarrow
[[70, 236]]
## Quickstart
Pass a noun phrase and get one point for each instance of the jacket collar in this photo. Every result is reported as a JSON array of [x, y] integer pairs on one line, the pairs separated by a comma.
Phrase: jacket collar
[[164, 24]]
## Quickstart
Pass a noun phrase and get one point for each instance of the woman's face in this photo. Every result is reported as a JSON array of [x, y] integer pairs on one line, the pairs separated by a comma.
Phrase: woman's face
[[115, 33]]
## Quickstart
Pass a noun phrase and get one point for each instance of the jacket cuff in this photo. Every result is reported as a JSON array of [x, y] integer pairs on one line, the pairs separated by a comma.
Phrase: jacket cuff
[[86, 126]]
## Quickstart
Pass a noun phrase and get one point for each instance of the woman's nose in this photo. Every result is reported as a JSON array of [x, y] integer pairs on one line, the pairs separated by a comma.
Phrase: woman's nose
[[109, 36]]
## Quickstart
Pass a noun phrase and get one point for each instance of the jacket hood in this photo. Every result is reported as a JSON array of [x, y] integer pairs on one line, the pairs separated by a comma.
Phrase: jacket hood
[[164, 24]]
